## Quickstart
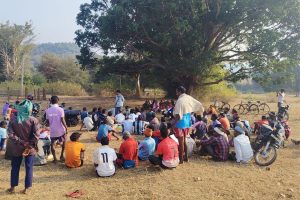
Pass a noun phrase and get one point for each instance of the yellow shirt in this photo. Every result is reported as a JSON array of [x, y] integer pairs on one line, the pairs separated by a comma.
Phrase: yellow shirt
[[73, 150]]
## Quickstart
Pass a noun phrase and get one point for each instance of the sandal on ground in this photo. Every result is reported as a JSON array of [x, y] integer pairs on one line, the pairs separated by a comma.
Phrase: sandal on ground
[[75, 194]]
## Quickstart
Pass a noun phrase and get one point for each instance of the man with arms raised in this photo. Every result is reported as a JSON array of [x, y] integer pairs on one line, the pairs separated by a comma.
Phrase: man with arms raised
[[55, 118]]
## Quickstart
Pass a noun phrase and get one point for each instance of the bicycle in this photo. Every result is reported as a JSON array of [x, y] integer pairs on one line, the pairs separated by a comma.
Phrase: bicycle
[[263, 107], [247, 108], [224, 106]]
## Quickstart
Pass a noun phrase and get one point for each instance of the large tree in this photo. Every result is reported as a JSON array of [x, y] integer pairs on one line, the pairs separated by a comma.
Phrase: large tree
[[180, 41], [15, 48]]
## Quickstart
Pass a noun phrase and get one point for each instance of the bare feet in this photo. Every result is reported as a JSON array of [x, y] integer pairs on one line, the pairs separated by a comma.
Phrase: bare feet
[[62, 159], [25, 191], [11, 190]]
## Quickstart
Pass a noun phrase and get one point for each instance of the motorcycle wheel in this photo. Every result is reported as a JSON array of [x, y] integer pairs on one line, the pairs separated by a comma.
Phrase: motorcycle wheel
[[265, 160]]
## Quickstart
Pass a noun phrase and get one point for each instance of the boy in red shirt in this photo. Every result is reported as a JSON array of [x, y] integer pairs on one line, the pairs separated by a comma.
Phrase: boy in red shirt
[[128, 152], [167, 151]]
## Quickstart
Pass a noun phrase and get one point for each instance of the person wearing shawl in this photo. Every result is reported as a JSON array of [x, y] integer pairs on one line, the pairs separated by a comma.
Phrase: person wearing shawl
[[23, 134], [184, 106]]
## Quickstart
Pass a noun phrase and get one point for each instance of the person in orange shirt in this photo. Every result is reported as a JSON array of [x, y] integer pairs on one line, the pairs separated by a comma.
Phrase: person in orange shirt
[[258, 124], [74, 151], [128, 152], [225, 123]]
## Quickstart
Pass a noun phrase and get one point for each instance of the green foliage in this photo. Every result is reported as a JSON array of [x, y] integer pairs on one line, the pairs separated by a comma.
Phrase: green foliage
[[278, 74], [222, 91], [38, 79], [56, 68], [182, 41]]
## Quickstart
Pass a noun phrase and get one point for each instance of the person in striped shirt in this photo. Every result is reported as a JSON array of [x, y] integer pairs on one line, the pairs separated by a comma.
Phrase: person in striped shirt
[[140, 125]]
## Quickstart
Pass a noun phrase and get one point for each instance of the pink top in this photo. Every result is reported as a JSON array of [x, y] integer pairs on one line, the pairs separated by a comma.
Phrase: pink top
[[54, 115]]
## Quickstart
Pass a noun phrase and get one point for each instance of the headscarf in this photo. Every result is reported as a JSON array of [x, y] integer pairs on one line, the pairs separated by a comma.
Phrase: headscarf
[[24, 110], [239, 130]]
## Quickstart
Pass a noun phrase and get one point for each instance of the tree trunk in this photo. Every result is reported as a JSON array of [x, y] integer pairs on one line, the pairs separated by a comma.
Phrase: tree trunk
[[138, 92]]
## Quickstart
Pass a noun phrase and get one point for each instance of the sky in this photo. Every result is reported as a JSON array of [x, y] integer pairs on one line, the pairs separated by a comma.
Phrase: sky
[[53, 20]]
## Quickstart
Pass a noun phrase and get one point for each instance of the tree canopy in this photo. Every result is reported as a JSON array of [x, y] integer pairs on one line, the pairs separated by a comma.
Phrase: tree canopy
[[181, 41], [15, 46]]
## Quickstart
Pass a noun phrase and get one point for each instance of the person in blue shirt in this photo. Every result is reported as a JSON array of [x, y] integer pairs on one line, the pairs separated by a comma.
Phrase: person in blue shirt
[[105, 131], [147, 146]]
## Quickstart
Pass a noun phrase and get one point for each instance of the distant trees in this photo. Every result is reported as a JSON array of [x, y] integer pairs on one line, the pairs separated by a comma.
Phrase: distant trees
[[55, 68], [15, 48]]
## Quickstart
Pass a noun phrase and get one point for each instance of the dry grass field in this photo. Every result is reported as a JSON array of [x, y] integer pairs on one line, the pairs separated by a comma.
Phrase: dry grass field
[[198, 179]]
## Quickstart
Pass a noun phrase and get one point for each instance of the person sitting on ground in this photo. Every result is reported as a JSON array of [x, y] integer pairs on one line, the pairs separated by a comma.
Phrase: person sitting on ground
[[104, 159], [74, 151], [105, 130], [214, 120], [137, 112], [110, 119], [167, 151], [89, 123], [227, 114], [127, 125], [3, 135], [199, 128], [128, 152], [212, 110], [155, 105], [83, 114], [43, 147], [155, 122], [132, 116], [225, 123], [120, 118], [147, 146], [95, 119], [242, 146], [258, 124], [139, 125], [101, 116], [234, 115], [216, 146]]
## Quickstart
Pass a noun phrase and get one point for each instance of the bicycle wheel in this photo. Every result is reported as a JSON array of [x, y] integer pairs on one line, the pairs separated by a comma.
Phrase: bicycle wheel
[[264, 108], [253, 109], [239, 108], [225, 106]]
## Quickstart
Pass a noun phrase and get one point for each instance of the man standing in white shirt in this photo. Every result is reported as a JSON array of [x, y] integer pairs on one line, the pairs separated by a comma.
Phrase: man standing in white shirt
[[280, 96], [242, 146], [104, 159], [119, 102]]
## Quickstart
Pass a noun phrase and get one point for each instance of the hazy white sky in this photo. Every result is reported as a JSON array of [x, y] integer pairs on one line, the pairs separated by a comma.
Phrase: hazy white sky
[[53, 20]]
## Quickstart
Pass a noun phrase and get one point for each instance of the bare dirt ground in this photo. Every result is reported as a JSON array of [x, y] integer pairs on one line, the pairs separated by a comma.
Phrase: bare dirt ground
[[198, 179]]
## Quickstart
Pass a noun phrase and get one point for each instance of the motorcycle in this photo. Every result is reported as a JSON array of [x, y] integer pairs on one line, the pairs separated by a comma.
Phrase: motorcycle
[[36, 109], [267, 142], [283, 112]]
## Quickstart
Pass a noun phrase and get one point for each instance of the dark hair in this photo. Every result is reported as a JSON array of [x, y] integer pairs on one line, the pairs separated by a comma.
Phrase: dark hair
[[263, 117], [103, 111], [2, 124], [54, 99], [94, 109], [109, 113], [131, 111], [104, 141], [139, 118], [222, 114], [17, 102], [104, 121], [99, 109], [75, 136], [214, 117], [118, 91], [199, 118], [84, 108], [164, 131], [181, 89], [162, 119], [151, 127]]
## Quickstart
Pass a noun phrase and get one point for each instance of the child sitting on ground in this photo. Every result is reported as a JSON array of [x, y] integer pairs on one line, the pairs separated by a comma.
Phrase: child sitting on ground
[[105, 131], [74, 151]]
